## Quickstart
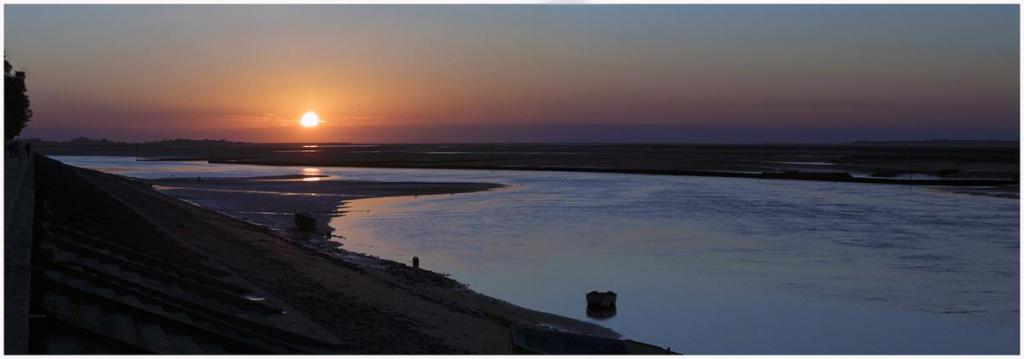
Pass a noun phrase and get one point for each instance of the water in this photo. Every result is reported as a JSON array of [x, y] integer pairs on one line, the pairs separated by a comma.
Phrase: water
[[704, 265]]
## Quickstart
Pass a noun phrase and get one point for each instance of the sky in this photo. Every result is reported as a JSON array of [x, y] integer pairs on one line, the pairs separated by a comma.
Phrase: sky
[[519, 73]]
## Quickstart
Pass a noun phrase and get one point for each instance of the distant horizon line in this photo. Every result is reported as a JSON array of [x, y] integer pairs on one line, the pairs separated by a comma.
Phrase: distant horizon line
[[542, 133], [932, 141]]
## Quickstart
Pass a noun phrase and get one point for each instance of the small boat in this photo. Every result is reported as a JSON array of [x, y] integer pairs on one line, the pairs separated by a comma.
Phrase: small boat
[[305, 221], [601, 299], [601, 313]]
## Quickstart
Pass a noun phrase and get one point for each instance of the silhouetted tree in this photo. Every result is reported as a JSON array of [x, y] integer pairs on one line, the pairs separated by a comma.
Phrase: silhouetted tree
[[16, 104]]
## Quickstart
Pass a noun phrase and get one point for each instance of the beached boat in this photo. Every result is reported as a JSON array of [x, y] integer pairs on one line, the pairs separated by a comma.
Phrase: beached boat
[[305, 221]]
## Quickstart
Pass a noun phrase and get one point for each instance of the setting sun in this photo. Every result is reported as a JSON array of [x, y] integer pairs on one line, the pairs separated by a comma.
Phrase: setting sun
[[310, 119]]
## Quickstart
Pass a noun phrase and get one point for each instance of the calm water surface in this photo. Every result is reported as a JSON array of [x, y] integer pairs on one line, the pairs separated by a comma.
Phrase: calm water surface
[[704, 265]]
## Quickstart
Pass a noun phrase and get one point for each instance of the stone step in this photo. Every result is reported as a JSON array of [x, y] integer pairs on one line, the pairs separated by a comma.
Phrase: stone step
[[212, 348], [155, 338], [133, 287], [121, 327], [112, 268], [160, 278], [62, 345], [181, 317], [89, 313], [135, 277], [184, 344], [58, 304], [260, 325], [174, 293], [131, 300]]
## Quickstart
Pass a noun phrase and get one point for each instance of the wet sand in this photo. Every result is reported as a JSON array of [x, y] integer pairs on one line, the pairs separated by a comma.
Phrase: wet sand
[[377, 306], [272, 200]]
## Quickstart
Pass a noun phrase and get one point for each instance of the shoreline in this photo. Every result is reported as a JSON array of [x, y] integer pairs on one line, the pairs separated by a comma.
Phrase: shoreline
[[472, 322]]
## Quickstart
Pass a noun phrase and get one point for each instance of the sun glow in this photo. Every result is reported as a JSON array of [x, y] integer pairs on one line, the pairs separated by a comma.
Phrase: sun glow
[[310, 119]]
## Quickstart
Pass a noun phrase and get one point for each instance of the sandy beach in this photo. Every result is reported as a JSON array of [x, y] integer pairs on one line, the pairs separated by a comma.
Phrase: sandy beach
[[376, 306], [272, 200]]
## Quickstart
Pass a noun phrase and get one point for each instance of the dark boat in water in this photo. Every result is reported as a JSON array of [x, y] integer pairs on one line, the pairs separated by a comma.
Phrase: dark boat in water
[[601, 299], [305, 221], [601, 305]]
